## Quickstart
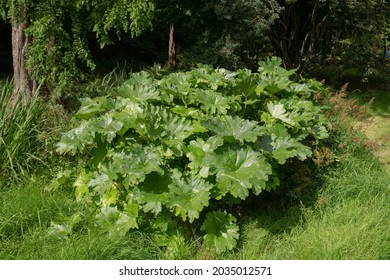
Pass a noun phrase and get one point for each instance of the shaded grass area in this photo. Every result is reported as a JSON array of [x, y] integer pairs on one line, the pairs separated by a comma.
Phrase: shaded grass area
[[348, 221], [380, 105]]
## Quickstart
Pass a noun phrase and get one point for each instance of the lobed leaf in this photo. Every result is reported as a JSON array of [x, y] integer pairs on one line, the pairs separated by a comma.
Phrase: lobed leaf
[[76, 139], [234, 128], [188, 195], [278, 111], [221, 231], [161, 125], [135, 163], [282, 146], [197, 151], [238, 171]]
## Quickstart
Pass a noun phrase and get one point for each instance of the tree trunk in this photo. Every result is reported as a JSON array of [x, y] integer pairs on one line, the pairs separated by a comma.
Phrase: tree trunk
[[24, 86], [172, 47]]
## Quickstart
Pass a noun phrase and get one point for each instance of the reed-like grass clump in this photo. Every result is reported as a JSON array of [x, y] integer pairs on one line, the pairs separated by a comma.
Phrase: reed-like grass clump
[[18, 131]]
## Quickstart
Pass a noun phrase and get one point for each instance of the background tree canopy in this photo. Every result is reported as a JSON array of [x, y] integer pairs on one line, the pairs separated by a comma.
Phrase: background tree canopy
[[65, 40], [51, 39]]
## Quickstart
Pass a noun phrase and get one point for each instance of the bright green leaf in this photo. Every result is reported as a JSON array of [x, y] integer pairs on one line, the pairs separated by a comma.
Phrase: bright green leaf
[[135, 163], [60, 179], [279, 112], [238, 171], [76, 139], [198, 149], [81, 185], [234, 128], [188, 195]]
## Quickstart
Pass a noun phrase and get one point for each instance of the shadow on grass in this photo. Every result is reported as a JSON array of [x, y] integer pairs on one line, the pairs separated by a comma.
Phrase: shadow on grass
[[282, 210], [380, 104]]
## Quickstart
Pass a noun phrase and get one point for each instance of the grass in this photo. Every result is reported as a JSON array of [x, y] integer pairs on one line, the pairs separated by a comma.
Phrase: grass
[[26, 212], [18, 132], [349, 220]]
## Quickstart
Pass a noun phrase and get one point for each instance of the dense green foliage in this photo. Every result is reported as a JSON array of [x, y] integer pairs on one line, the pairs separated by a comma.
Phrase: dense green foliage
[[61, 32], [65, 37], [300, 32], [175, 146]]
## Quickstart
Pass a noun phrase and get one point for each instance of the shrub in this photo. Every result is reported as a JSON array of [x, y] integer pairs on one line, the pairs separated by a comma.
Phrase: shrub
[[184, 146]]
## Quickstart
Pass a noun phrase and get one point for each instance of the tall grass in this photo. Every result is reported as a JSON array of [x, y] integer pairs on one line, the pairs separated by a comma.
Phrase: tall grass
[[18, 130], [348, 221]]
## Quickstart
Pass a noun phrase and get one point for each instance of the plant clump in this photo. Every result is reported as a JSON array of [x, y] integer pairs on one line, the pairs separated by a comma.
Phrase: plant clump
[[171, 150]]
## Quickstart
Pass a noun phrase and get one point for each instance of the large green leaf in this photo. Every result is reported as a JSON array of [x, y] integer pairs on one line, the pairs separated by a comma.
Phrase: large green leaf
[[188, 195], [100, 183], [239, 170], [129, 115], [134, 163], [63, 228], [81, 185], [139, 88], [282, 146], [278, 111], [308, 118], [152, 202], [76, 139], [152, 193], [107, 127], [212, 102], [191, 112], [177, 85], [234, 128], [161, 125], [221, 231], [90, 107], [285, 148], [198, 149], [116, 222]]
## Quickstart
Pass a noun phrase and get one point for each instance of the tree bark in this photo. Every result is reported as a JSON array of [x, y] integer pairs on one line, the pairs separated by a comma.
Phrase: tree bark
[[172, 46], [24, 85]]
